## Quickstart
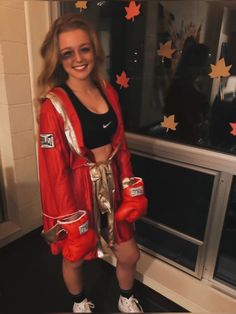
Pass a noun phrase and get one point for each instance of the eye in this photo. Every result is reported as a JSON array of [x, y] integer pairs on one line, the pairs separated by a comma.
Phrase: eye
[[66, 55], [85, 49]]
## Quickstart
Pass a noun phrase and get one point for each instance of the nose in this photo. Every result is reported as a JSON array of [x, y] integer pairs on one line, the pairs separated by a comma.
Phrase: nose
[[78, 56]]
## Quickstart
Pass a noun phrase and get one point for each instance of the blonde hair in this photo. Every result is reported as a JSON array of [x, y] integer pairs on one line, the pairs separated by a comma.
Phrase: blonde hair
[[52, 73]]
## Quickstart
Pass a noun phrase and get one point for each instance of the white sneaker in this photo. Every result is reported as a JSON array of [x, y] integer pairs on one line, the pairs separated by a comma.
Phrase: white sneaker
[[130, 305], [83, 307]]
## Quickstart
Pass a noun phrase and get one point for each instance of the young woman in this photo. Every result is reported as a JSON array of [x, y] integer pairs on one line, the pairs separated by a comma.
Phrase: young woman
[[86, 179]]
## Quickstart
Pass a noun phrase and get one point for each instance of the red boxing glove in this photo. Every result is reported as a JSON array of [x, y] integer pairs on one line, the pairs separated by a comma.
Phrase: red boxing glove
[[134, 204], [80, 239]]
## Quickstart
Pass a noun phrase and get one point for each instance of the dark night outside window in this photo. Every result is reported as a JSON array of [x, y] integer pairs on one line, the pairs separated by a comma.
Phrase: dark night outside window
[[178, 197], [170, 246]]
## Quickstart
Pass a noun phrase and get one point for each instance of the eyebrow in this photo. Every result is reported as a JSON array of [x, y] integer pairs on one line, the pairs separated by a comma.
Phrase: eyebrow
[[66, 48]]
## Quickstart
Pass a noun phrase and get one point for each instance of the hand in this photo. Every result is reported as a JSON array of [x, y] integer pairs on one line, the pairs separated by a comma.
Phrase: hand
[[81, 238], [134, 203]]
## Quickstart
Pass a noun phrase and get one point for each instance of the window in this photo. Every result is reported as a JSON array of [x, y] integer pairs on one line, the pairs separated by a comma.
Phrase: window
[[198, 111], [177, 84], [170, 246], [179, 203], [178, 197]]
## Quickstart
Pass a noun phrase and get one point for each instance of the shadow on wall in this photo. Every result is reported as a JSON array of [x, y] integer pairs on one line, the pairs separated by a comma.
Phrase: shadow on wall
[[20, 202], [9, 195]]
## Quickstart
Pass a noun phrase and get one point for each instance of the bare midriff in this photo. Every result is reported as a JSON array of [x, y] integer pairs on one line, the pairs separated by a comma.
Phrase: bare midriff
[[102, 153]]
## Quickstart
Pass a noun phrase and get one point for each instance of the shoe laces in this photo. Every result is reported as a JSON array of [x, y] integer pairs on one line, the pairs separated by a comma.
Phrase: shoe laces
[[133, 304], [89, 304], [84, 306]]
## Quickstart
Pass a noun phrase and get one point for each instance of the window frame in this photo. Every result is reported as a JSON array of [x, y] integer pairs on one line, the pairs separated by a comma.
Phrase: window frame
[[223, 166]]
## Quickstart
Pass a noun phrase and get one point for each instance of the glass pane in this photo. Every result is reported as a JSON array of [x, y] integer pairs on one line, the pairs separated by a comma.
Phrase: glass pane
[[174, 81], [170, 246], [226, 262], [178, 197]]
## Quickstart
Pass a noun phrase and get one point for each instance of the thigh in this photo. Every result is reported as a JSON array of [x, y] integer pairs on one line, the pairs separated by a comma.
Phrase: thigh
[[71, 265], [127, 251]]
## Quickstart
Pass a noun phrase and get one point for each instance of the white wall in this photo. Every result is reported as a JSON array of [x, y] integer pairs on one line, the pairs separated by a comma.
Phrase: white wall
[[21, 33]]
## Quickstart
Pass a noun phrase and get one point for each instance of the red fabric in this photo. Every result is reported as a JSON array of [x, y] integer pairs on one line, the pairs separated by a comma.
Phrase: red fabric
[[134, 202], [64, 181], [81, 239]]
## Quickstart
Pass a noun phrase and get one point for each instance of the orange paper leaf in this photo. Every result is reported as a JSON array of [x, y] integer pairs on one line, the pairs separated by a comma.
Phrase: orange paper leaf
[[82, 5], [220, 69], [132, 10], [165, 50], [122, 80], [169, 123], [233, 126]]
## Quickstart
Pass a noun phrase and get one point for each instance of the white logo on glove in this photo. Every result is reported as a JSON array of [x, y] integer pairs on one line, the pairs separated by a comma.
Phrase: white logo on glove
[[83, 228], [136, 191]]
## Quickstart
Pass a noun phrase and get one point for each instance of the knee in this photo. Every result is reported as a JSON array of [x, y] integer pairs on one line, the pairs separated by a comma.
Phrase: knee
[[130, 258]]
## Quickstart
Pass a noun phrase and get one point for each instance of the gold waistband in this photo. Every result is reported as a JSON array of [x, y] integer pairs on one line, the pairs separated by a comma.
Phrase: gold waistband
[[101, 175]]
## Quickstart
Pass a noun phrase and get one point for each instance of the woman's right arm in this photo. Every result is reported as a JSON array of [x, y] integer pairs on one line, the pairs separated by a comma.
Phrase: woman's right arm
[[54, 166]]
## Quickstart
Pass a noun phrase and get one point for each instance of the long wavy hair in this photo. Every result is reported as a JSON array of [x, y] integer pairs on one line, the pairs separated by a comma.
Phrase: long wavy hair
[[52, 73]]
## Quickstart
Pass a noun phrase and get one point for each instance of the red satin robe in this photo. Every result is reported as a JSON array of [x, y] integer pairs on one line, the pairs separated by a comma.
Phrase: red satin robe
[[65, 183]]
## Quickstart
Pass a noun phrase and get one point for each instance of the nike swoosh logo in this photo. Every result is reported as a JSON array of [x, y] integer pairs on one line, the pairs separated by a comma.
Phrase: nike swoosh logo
[[106, 125]]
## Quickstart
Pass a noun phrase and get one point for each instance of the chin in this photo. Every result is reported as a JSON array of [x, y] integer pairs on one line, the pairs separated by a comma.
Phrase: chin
[[82, 76]]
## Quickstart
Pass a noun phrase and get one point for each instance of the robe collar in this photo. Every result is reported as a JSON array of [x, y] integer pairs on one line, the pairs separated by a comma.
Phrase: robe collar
[[72, 124]]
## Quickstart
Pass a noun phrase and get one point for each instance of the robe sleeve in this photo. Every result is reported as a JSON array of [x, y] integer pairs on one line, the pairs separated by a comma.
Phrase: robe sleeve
[[54, 166], [123, 155]]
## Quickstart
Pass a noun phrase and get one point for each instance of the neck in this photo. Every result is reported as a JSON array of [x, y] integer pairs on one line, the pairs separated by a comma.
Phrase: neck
[[81, 86]]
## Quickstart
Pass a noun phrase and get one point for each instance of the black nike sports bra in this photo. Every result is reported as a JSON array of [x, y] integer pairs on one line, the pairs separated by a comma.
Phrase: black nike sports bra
[[98, 129]]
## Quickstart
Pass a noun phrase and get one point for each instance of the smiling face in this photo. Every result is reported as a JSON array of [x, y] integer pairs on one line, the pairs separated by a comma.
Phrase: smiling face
[[76, 54]]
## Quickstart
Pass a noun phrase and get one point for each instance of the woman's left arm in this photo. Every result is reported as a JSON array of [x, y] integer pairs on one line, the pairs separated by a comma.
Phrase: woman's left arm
[[123, 154]]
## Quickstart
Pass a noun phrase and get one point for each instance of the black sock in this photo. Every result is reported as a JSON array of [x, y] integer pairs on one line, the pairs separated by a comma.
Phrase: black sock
[[78, 297], [126, 293]]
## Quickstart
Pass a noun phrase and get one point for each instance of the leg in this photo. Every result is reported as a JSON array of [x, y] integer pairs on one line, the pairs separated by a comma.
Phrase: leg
[[72, 274], [127, 254]]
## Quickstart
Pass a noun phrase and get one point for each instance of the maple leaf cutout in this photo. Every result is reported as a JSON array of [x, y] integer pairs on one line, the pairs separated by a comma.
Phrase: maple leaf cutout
[[233, 126], [220, 69], [132, 10], [165, 50], [169, 123], [80, 4], [122, 80]]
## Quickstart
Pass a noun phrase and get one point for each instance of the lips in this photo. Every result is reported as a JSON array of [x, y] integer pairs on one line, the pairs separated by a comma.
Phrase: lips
[[80, 67]]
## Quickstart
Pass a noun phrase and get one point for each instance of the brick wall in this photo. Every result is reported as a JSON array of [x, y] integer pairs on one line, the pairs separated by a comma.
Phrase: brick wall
[[17, 119]]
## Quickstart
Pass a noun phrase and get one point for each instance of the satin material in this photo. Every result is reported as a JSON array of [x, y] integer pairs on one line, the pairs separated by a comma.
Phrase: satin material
[[103, 195], [65, 183]]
